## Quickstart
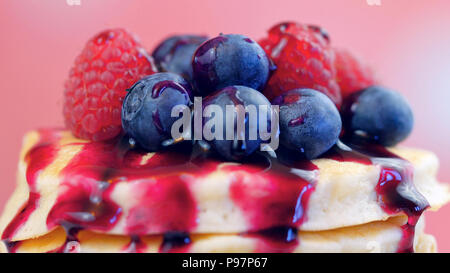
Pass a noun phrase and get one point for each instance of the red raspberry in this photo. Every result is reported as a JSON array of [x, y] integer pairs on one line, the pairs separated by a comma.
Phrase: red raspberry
[[351, 74], [111, 62], [304, 59]]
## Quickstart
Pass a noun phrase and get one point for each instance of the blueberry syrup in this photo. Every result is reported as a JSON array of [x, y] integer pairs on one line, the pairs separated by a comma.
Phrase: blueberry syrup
[[85, 203], [37, 159], [72, 244], [21, 218], [175, 242], [164, 204], [136, 245], [159, 88], [232, 93], [11, 247], [282, 198], [395, 189], [275, 214], [90, 179], [277, 239]]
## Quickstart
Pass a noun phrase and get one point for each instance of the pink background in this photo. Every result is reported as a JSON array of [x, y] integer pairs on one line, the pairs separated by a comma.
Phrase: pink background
[[407, 42]]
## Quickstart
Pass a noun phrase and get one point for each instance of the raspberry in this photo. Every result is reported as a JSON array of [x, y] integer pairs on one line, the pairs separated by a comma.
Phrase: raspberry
[[111, 62], [352, 74], [304, 59]]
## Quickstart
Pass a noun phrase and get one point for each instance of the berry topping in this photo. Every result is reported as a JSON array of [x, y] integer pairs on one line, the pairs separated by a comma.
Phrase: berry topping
[[241, 143], [378, 115], [304, 59], [309, 122], [146, 110], [174, 54], [109, 64], [229, 60], [352, 74]]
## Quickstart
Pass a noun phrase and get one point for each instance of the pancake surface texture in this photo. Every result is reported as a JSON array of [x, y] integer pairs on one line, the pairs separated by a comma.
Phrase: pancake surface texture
[[79, 196]]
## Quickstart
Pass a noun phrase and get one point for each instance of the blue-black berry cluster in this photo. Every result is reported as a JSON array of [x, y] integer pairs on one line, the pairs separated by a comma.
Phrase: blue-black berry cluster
[[233, 70]]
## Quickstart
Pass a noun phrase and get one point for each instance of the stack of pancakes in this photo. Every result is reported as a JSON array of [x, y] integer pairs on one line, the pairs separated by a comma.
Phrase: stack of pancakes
[[76, 195]]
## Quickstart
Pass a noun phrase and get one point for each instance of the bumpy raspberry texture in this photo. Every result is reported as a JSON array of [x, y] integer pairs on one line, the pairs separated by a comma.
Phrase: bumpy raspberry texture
[[304, 59], [111, 62], [352, 74]]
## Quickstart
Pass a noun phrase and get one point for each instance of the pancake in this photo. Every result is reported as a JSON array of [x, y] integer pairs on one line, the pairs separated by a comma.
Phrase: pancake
[[383, 236], [114, 189]]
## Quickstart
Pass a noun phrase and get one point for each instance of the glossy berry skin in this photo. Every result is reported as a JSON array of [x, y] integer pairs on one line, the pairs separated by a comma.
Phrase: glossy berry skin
[[146, 110], [228, 60], [174, 54], [111, 62], [304, 59], [236, 150], [309, 122], [352, 74], [378, 115]]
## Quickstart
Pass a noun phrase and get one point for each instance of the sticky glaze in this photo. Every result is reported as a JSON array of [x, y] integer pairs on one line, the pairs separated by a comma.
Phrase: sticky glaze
[[165, 205]]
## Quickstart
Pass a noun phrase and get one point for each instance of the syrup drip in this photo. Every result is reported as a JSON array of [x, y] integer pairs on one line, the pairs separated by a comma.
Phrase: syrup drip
[[12, 247], [72, 244], [175, 242], [284, 190], [277, 239], [395, 189], [37, 159], [274, 216], [276, 213], [90, 178], [159, 88], [136, 245]]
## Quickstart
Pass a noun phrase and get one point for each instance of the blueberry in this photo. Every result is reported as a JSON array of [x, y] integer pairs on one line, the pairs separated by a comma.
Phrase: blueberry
[[174, 54], [229, 60], [236, 149], [309, 122], [377, 115], [146, 109]]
